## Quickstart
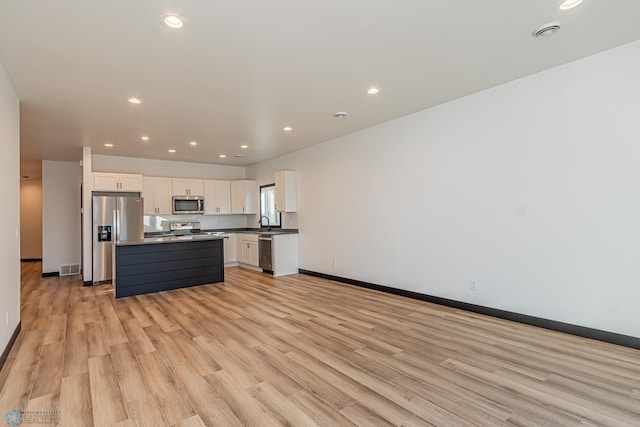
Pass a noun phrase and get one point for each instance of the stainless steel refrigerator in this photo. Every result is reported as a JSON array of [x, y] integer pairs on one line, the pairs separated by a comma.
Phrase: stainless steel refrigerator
[[115, 218]]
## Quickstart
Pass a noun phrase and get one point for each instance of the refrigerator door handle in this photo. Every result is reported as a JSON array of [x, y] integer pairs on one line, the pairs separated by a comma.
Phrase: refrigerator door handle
[[116, 224]]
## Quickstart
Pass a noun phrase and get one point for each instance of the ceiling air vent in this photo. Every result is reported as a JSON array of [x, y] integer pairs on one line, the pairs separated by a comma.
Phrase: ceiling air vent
[[547, 29]]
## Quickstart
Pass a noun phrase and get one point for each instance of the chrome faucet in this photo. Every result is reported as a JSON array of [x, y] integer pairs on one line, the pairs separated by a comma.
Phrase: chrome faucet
[[260, 221]]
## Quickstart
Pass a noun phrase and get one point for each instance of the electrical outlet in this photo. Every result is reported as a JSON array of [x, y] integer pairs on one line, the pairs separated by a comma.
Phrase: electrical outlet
[[473, 285], [333, 263], [6, 319]]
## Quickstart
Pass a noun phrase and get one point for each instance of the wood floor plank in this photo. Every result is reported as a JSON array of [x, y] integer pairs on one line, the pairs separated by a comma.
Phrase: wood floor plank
[[75, 323], [283, 409], [170, 395], [249, 411], [205, 399], [137, 338], [75, 354], [109, 407], [55, 330], [263, 371], [43, 409], [300, 350], [114, 332], [49, 371], [139, 313], [328, 392], [144, 412], [364, 417], [565, 401], [194, 421], [96, 339], [319, 411], [478, 408], [228, 361], [75, 401], [193, 354], [128, 372]]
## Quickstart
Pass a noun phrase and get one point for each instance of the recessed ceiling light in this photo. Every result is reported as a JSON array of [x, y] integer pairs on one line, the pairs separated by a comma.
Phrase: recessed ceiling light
[[222, 156], [547, 29], [237, 156], [135, 100], [193, 143], [287, 129], [244, 146], [173, 21], [569, 4], [373, 90], [108, 145], [144, 138], [172, 151]]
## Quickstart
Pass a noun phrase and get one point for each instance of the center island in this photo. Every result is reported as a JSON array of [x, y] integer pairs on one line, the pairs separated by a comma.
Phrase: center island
[[165, 263]]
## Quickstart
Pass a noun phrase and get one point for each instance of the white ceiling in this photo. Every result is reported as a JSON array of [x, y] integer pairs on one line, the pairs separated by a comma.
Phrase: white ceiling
[[240, 71]]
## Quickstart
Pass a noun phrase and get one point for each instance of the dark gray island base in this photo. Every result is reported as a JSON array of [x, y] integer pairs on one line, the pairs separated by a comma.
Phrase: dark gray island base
[[165, 265]]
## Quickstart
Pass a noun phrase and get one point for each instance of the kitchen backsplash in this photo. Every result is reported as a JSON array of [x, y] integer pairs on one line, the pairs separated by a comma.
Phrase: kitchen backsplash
[[161, 222]]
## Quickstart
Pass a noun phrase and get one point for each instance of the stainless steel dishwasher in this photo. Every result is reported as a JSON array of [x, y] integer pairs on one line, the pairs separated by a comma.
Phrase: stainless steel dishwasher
[[265, 252]]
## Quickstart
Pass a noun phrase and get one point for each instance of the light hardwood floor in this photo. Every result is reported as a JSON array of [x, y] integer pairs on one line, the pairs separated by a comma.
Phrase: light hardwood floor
[[260, 351]]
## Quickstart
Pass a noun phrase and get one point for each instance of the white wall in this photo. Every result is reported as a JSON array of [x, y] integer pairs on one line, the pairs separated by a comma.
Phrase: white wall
[[10, 213], [60, 214], [31, 218], [530, 188], [167, 168]]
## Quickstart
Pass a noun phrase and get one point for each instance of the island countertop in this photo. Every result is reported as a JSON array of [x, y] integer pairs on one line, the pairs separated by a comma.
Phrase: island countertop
[[169, 239]]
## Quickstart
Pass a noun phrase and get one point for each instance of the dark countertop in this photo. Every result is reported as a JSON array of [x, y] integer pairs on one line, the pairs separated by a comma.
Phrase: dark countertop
[[271, 232]]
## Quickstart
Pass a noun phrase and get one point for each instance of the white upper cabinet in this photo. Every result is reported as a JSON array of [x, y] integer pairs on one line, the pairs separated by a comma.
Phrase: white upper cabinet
[[243, 194], [217, 197], [103, 181], [157, 196], [286, 188], [188, 187]]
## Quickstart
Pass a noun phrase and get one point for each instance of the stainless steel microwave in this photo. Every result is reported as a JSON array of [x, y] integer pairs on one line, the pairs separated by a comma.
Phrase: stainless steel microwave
[[188, 205]]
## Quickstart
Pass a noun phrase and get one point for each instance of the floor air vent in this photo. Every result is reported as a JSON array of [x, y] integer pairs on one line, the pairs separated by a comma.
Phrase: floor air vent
[[69, 269]]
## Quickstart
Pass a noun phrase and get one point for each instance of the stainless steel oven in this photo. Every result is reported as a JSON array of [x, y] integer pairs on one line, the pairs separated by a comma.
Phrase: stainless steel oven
[[265, 253]]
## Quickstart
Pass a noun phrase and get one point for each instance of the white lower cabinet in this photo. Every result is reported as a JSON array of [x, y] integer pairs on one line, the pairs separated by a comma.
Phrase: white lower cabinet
[[247, 249], [284, 252]]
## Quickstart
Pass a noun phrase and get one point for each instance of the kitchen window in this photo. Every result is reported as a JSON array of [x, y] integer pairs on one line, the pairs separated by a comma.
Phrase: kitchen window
[[268, 206]]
